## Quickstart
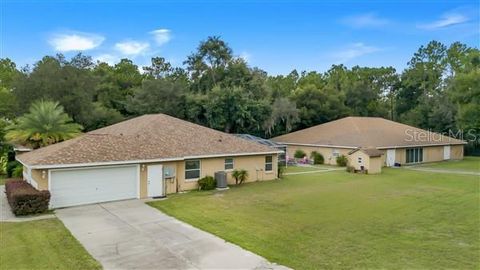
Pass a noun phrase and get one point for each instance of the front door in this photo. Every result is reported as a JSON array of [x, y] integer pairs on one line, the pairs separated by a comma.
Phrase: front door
[[390, 157], [155, 181], [446, 152]]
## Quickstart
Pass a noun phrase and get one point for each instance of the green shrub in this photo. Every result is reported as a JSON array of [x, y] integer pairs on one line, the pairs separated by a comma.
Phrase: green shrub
[[207, 183], [317, 158], [3, 164], [350, 169], [342, 161], [299, 153], [240, 176], [11, 165], [18, 171], [24, 199], [280, 171]]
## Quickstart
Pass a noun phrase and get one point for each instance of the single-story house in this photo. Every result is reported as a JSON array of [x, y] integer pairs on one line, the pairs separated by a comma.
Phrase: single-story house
[[400, 143], [148, 156]]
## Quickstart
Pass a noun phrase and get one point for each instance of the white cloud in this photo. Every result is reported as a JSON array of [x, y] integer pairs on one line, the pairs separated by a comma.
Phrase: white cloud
[[354, 51], [448, 19], [246, 56], [365, 20], [75, 41], [107, 58], [132, 47], [161, 36]]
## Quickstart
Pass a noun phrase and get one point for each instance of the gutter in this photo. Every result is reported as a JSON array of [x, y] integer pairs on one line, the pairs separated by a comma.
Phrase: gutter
[[382, 147], [420, 145], [125, 162]]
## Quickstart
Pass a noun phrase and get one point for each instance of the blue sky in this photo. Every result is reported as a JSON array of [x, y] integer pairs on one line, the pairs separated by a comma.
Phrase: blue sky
[[277, 36]]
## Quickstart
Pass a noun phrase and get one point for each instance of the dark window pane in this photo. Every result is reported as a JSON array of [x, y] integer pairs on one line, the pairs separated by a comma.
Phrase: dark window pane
[[228, 166], [192, 174], [268, 159], [192, 164], [268, 167]]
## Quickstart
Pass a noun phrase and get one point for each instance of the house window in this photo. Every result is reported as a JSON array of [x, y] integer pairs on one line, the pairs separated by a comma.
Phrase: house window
[[414, 155], [268, 163], [229, 164], [335, 152], [360, 160], [192, 169]]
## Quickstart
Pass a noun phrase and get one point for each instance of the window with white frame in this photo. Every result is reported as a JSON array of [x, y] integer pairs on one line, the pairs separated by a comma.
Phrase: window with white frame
[[335, 152], [268, 163], [229, 164], [414, 155], [192, 169]]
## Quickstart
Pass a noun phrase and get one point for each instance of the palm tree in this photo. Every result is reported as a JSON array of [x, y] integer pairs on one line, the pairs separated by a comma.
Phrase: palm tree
[[240, 176], [46, 123]]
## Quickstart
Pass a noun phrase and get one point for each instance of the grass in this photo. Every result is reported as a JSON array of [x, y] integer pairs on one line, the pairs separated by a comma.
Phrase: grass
[[467, 164], [398, 219], [294, 169], [3, 178], [42, 244]]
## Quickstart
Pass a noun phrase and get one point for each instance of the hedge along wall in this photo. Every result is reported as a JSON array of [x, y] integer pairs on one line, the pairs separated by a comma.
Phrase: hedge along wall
[[24, 199]]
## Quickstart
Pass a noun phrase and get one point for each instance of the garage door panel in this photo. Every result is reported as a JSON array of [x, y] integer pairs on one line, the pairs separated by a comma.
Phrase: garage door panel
[[83, 186]]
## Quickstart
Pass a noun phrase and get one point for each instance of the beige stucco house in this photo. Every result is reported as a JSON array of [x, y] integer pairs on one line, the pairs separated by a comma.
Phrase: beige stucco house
[[147, 156], [399, 143]]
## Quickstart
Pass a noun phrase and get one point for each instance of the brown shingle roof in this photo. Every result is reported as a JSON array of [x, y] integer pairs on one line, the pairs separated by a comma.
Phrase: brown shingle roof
[[371, 152], [365, 132], [148, 137]]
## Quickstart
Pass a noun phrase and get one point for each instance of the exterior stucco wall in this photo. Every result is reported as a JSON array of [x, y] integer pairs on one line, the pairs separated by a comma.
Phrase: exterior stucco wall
[[456, 152], [40, 178], [383, 158], [353, 160], [430, 153], [143, 181], [372, 164], [171, 183], [327, 152], [255, 165], [434, 153], [375, 165]]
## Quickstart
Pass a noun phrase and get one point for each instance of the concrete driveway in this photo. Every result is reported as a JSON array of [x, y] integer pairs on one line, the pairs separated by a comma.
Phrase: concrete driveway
[[132, 235]]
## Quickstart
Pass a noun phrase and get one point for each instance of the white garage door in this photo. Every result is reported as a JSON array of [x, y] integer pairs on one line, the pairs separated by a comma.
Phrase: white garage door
[[93, 185]]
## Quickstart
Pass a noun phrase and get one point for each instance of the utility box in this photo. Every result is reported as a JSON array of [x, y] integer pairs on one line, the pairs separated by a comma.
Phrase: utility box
[[221, 178]]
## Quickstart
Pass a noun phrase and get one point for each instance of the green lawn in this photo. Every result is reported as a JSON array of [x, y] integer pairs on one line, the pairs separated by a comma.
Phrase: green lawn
[[3, 178], [399, 219], [468, 164], [42, 244], [293, 169]]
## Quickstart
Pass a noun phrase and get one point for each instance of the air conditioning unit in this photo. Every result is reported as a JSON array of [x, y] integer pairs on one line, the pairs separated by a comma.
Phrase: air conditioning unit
[[221, 178]]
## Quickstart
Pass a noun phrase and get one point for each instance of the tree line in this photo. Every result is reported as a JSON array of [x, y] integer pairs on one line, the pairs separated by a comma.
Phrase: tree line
[[439, 90]]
